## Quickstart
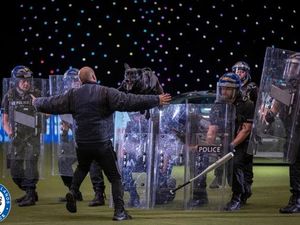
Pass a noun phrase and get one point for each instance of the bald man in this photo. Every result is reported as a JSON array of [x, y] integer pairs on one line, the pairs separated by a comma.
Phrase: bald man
[[87, 74], [92, 106]]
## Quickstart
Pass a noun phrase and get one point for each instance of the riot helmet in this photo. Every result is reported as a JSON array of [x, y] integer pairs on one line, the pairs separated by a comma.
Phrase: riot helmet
[[242, 69], [71, 79], [228, 88], [21, 72], [22, 78], [292, 67]]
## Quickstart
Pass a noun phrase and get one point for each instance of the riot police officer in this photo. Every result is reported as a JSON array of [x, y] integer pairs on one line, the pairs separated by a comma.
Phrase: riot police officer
[[291, 76], [67, 153], [229, 91], [249, 90], [18, 117]]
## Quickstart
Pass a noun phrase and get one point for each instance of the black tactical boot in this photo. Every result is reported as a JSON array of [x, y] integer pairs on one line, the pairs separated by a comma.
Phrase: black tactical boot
[[293, 205], [29, 199], [121, 214], [98, 200], [18, 200], [199, 198], [71, 202], [234, 204]]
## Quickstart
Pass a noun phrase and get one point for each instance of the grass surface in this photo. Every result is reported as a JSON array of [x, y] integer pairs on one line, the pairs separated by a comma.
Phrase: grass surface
[[270, 192]]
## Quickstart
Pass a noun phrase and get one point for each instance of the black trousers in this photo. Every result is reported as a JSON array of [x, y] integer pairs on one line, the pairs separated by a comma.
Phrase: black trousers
[[24, 162], [67, 157], [295, 175], [104, 154], [242, 174]]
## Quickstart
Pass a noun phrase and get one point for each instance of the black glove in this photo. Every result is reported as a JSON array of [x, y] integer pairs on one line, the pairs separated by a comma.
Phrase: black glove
[[231, 148], [270, 117]]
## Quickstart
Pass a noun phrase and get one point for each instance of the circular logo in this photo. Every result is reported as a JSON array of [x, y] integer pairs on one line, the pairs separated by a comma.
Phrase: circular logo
[[5, 202]]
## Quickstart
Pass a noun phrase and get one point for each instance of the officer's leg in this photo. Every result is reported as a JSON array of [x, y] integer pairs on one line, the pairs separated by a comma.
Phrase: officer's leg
[[17, 172], [217, 181], [129, 182], [237, 181], [199, 192], [294, 202], [129, 185], [65, 170], [31, 172], [97, 179], [248, 176], [17, 167], [16, 163]]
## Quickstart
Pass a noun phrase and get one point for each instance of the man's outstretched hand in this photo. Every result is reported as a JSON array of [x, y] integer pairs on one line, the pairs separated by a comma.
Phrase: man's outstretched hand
[[164, 99], [33, 98]]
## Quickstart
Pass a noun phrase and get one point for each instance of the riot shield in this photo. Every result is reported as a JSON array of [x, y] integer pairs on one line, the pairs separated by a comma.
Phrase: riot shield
[[168, 169], [200, 154], [63, 148], [132, 142], [275, 128], [25, 149], [3, 136]]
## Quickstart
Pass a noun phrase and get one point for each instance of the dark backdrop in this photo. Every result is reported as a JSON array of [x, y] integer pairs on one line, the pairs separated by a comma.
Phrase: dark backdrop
[[189, 44]]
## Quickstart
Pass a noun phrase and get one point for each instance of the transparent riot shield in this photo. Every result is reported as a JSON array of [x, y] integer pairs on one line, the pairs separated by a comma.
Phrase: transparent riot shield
[[25, 149], [168, 169], [132, 143], [275, 131], [200, 154], [4, 139], [63, 147]]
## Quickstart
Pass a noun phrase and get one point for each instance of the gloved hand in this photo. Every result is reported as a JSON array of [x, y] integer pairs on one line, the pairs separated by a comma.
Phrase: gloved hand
[[232, 148], [270, 116]]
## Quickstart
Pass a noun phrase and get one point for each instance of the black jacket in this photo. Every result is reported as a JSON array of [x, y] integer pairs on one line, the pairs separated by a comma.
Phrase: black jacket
[[92, 107]]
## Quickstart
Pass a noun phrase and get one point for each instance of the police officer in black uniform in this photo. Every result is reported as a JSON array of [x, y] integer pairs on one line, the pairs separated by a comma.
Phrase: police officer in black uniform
[[249, 91], [229, 90], [292, 77], [92, 107], [249, 88], [25, 149]]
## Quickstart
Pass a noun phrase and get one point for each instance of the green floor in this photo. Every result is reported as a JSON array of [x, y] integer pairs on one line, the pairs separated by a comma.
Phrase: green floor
[[270, 191]]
